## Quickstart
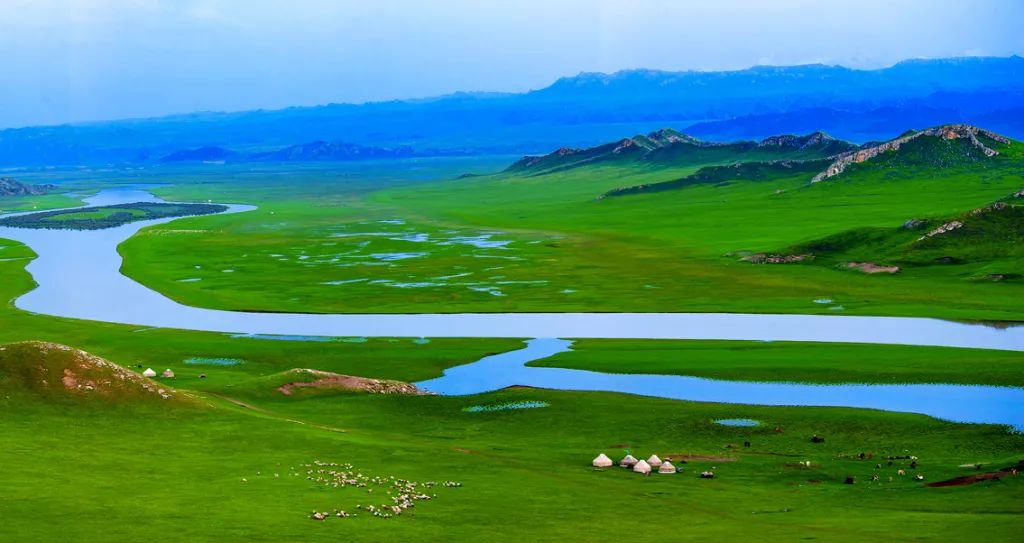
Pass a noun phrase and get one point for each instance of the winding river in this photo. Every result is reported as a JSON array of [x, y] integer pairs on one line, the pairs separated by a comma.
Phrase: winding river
[[78, 276]]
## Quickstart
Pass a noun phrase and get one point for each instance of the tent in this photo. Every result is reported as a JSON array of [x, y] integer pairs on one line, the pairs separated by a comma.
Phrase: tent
[[666, 467], [642, 467], [603, 461], [149, 373], [654, 461], [168, 373], [628, 461]]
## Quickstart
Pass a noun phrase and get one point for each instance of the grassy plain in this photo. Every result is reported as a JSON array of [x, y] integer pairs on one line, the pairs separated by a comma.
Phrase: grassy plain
[[357, 241]]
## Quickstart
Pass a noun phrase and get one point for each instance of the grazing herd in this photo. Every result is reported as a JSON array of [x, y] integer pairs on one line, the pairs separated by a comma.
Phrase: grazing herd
[[401, 493]]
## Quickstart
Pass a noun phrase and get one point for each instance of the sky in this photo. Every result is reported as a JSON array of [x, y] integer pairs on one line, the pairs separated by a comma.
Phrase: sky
[[79, 60]]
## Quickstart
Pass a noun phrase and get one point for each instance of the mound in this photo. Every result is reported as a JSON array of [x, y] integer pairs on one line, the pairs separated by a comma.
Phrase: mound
[[326, 380], [55, 370]]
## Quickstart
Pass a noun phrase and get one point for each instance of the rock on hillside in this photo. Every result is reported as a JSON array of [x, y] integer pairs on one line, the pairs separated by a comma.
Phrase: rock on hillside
[[12, 187], [946, 132], [55, 370], [328, 380]]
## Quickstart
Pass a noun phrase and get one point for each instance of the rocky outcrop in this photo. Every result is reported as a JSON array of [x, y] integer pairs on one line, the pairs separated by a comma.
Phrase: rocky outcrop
[[871, 267], [948, 132], [762, 258], [12, 187], [948, 227], [994, 206]]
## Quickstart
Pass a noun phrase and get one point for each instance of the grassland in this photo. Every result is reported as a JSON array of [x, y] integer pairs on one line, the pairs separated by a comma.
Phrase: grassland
[[324, 241], [139, 468], [205, 470]]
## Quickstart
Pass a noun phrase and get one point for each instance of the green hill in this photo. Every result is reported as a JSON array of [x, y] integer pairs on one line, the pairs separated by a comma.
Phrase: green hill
[[58, 372], [667, 147], [984, 243], [723, 175]]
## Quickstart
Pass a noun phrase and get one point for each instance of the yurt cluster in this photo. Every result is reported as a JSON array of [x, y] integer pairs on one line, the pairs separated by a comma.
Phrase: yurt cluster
[[167, 374], [644, 467]]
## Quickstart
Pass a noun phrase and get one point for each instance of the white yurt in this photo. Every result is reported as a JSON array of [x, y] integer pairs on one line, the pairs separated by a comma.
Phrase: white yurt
[[654, 461], [642, 467], [168, 373], [149, 373], [628, 461], [603, 461], [666, 467]]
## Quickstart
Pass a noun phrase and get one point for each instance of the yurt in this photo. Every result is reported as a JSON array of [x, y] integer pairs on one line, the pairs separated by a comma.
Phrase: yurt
[[603, 461], [666, 467], [642, 467], [628, 461], [168, 373], [654, 461], [149, 373]]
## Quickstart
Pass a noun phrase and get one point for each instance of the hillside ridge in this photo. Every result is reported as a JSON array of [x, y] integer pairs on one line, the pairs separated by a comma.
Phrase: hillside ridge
[[947, 132]]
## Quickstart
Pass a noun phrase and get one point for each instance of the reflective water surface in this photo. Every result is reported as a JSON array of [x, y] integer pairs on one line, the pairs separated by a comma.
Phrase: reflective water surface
[[958, 403]]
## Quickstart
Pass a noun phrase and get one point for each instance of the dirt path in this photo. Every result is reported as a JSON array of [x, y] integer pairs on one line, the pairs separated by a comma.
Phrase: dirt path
[[273, 415]]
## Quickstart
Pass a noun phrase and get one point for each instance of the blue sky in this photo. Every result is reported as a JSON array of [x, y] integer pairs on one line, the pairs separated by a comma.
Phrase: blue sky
[[78, 60]]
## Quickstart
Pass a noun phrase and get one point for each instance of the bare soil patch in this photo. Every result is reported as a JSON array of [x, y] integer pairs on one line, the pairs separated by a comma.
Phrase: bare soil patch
[[978, 477]]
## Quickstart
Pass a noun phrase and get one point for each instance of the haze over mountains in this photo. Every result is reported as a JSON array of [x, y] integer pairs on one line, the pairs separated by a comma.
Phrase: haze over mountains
[[584, 110]]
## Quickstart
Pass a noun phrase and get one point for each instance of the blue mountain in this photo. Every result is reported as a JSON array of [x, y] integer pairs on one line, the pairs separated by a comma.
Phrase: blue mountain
[[577, 111]]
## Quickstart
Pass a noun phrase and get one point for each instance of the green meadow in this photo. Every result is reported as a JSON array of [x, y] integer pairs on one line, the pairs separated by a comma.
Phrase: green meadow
[[229, 457]]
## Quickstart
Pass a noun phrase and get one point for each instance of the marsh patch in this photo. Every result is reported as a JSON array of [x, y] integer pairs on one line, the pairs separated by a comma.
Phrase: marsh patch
[[738, 422], [509, 406], [203, 361]]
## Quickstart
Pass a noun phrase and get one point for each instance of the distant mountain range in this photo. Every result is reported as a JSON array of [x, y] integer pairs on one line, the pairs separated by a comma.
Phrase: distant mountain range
[[307, 152], [579, 111]]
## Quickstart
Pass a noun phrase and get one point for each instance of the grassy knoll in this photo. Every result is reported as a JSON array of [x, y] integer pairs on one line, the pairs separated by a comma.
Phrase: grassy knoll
[[328, 240], [794, 361]]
